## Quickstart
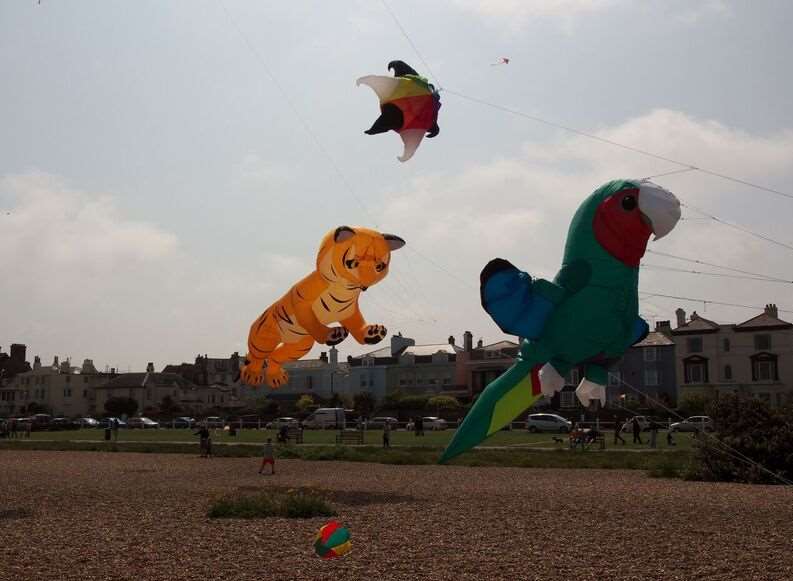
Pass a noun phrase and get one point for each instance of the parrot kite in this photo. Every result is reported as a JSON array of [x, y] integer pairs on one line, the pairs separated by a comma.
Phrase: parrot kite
[[409, 105], [588, 315]]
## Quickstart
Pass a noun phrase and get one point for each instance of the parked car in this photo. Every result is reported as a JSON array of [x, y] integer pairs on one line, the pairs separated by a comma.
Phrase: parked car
[[693, 424], [379, 422], [107, 423], [277, 423], [213, 422], [181, 422], [548, 423], [142, 423], [40, 422], [326, 418], [62, 424], [429, 423], [88, 423]]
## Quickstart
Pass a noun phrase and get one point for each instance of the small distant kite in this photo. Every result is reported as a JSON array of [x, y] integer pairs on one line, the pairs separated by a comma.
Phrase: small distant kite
[[333, 540], [502, 61], [409, 105]]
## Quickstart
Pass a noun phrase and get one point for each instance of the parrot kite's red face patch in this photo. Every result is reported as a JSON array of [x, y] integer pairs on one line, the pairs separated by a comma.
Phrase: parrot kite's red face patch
[[621, 228]]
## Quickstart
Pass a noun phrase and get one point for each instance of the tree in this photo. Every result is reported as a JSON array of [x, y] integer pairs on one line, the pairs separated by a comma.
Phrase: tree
[[304, 403], [168, 407], [119, 406], [443, 402], [752, 442], [267, 407], [693, 405], [363, 404]]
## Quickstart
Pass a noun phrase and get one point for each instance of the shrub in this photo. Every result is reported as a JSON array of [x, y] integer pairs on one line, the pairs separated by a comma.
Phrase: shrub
[[271, 503], [752, 443]]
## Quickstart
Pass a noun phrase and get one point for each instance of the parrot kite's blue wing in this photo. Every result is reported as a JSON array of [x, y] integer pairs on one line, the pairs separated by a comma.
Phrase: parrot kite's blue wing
[[640, 330], [517, 303]]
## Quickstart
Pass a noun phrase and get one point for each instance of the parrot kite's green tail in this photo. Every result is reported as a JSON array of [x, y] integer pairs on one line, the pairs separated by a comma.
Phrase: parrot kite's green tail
[[500, 403]]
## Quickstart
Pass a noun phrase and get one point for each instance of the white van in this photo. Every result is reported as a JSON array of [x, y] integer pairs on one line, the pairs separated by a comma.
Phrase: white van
[[324, 418]]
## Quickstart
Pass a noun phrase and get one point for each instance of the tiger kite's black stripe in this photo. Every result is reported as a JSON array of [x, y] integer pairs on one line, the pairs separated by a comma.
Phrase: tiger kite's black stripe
[[344, 308], [324, 304], [262, 319], [341, 302], [285, 316]]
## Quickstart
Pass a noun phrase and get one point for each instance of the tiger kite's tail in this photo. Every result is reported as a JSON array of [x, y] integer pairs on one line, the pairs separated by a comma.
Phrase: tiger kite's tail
[[500, 403]]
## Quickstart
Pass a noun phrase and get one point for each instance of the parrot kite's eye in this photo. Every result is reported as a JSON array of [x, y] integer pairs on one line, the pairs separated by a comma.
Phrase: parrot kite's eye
[[629, 203]]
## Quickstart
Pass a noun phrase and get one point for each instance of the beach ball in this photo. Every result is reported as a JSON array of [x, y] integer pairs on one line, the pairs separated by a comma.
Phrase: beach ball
[[333, 540]]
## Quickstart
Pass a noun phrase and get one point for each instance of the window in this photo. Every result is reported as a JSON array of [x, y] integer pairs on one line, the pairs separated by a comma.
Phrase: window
[[728, 372], [575, 379], [567, 399], [694, 344], [68, 379], [725, 343], [764, 370], [615, 378], [650, 354], [85, 394], [762, 342], [402, 381], [363, 381], [309, 382], [447, 380], [368, 362], [695, 373], [67, 392], [651, 377], [85, 379]]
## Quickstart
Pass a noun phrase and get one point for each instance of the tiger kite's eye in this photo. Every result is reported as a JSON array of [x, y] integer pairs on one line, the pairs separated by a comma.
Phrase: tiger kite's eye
[[380, 267], [352, 263]]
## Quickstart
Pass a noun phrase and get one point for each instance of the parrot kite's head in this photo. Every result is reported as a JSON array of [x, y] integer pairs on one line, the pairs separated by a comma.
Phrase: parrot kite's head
[[401, 68], [625, 218]]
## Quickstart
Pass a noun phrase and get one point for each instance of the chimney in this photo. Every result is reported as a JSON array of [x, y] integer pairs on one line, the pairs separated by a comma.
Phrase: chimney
[[55, 363], [681, 317], [17, 353], [770, 310], [399, 344], [468, 341], [480, 344], [88, 367], [323, 357], [150, 367], [451, 340], [664, 327], [334, 356], [37, 363]]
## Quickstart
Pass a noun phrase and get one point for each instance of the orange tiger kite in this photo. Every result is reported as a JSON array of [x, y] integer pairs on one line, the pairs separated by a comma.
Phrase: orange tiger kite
[[349, 261]]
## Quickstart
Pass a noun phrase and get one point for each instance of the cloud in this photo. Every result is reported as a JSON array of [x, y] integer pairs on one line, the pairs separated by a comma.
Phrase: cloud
[[80, 278], [516, 13], [519, 208]]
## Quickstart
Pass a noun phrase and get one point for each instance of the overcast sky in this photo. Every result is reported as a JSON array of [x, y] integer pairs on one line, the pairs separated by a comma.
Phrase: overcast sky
[[158, 191]]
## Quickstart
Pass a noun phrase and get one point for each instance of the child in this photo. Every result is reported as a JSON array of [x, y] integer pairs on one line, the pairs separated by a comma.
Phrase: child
[[386, 435], [268, 456]]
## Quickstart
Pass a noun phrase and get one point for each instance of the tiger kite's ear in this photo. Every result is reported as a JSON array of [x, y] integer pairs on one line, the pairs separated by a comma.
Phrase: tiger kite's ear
[[343, 233], [394, 242]]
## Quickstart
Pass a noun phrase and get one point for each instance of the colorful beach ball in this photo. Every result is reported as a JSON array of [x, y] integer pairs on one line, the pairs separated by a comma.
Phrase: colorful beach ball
[[333, 540]]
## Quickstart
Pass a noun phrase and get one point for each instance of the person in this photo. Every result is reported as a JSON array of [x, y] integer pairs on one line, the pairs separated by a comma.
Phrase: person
[[115, 426], [618, 432], [419, 426], [283, 433], [13, 423], [670, 441], [653, 433], [267, 456], [387, 434], [203, 435], [637, 431]]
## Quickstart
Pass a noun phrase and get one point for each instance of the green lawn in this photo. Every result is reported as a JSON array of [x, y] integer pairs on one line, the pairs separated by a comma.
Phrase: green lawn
[[517, 438]]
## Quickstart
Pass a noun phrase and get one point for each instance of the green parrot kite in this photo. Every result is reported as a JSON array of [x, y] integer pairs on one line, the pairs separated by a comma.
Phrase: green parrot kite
[[588, 315]]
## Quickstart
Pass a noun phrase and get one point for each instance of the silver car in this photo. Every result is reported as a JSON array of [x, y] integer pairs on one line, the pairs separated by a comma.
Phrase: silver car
[[693, 424], [548, 423]]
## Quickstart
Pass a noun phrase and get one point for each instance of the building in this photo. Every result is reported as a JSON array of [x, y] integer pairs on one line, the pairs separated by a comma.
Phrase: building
[[60, 388], [754, 357], [151, 388], [322, 378], [13, 362], [406, 368], [478, 366]]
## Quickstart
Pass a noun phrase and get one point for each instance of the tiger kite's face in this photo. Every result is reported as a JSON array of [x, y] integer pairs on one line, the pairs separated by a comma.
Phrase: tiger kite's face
[[358, 256]]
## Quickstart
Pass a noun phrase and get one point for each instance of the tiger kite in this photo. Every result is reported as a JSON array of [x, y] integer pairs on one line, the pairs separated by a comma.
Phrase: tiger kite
[[350, 260]]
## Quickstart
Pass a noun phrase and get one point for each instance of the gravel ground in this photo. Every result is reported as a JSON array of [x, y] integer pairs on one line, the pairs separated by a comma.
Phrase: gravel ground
[[77, 515]]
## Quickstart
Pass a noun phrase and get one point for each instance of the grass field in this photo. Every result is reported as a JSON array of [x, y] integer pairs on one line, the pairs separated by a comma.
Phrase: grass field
[[518, 438]]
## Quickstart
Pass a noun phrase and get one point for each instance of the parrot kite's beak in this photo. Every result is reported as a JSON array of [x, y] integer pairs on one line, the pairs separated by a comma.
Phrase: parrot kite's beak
[[660, 208]]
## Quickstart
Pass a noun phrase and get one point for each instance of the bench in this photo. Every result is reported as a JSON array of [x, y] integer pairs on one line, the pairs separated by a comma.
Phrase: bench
[[349, 437]]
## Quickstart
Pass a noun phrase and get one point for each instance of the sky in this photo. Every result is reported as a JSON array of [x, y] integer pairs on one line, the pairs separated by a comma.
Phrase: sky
[[167, 169]]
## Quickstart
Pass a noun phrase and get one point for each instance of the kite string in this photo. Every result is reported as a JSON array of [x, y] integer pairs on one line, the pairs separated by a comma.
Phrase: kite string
[[412, 44], [303, 121], [737, 227], [708, 301], [705, 263]]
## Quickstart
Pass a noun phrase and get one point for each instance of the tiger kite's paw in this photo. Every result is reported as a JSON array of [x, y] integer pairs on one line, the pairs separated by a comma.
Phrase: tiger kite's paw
[[252, 374], [336, 335], [276, 377], [374, 334]]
